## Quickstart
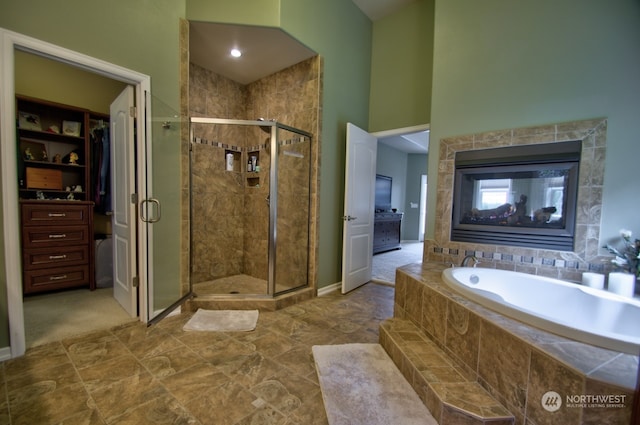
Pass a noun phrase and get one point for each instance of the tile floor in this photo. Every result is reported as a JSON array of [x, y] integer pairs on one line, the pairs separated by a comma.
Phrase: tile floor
[[162, 375], [384, 265]]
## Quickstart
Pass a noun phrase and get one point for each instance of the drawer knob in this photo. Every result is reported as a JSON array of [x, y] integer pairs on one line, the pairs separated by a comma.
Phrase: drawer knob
[[57, 215], [60, 277], [57, 236], [57, 257]]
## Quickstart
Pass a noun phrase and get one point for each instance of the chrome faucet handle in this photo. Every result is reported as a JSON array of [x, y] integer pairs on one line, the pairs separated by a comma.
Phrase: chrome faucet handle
[[466, 259]]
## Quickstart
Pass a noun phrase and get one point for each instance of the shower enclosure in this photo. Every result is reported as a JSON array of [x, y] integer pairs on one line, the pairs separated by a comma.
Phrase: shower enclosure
[[250, 209]]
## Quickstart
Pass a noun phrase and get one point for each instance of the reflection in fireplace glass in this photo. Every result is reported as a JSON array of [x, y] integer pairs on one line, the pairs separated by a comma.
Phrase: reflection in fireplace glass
[[533, 198]]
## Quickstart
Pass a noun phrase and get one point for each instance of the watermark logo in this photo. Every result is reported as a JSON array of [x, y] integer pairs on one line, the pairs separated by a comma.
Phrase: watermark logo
[[551, 401], [603, 401]]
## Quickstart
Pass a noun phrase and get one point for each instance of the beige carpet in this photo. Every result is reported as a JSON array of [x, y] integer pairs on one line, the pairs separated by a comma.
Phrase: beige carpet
[[362, 386], [52, 317], [222, 320], [384, 265]]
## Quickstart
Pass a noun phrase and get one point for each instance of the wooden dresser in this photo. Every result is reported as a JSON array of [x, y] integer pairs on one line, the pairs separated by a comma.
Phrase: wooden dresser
[[387, 228], [57, 245]]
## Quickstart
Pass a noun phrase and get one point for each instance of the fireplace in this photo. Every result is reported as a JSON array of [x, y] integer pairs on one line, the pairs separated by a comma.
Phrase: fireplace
[[517, 195]]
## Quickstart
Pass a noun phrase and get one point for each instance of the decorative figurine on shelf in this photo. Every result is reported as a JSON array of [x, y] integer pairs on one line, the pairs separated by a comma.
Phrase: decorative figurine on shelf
[[73, 158], [57, 159], [77, 188], [28, 155], [70, 197], [40, 195], [44, 155]]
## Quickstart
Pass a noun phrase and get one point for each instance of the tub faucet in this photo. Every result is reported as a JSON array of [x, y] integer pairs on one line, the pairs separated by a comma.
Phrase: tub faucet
[[465, 261]]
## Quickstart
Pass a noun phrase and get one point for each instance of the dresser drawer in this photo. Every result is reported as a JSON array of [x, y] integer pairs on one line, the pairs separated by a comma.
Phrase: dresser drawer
[[58, 278], [34, 214], [41, 236], [38, 258]]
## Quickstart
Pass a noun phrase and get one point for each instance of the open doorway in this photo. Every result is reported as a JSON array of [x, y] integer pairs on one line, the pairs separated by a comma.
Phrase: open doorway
[[12, 43], [402, 158], [55, 314]]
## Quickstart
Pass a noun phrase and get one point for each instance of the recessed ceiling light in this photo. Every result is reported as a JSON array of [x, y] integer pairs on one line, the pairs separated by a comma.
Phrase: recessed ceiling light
[[236, 53]]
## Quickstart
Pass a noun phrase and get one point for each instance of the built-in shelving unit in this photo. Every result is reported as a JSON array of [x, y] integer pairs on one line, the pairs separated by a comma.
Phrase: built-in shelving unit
[[53, 150], [54, 186]]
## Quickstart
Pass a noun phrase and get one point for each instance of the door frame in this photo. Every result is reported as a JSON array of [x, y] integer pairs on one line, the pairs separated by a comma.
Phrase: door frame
[[9, 42]]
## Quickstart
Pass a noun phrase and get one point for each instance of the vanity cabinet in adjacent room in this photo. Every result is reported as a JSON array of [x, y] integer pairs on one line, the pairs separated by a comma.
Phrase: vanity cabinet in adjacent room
[[386, 231]]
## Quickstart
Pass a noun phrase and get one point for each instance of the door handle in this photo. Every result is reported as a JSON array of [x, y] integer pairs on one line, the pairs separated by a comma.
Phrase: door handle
[[146, 219], [349, 218]]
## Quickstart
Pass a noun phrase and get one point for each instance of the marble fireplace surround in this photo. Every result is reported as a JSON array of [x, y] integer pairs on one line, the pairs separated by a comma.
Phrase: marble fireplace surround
[[557, 264]]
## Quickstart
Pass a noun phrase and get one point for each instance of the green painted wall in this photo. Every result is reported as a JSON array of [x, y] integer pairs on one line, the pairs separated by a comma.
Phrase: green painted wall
[[401, 68], [47, 79], [406, 171], [502, 64], [141, 35], [416, 167], [393, 163], [248, 12]]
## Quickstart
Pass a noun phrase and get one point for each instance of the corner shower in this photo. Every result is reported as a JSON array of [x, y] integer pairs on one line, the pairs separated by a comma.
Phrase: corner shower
[[250, 208]]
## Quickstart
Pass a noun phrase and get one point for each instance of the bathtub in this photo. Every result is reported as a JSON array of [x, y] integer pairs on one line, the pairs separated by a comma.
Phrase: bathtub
[[573, 311]]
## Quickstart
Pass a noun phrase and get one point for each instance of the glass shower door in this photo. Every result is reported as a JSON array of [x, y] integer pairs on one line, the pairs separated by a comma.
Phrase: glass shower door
[[293, 177], [160, 210]]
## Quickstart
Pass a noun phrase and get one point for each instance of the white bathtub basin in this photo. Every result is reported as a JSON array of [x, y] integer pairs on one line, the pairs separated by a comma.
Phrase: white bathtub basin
[[574, 311]]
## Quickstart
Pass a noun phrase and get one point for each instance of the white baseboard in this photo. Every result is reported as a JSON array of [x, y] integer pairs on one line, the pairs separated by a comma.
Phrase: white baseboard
[[329, 288], [5, 353]]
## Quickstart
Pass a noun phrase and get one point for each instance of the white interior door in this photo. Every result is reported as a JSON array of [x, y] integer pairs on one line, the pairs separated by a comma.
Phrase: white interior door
[[124, 210], [359, 204]]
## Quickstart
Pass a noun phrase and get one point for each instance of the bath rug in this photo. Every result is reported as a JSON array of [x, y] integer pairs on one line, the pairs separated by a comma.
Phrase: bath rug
[[222, 320], [361, 385]]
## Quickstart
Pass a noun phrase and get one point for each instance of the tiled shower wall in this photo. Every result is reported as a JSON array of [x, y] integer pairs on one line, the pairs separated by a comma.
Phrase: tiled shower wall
[[230, 213], [557, 264]]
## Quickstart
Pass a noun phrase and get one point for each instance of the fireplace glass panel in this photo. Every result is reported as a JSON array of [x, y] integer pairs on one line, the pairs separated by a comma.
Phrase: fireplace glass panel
[[533, 198], [522, 196]]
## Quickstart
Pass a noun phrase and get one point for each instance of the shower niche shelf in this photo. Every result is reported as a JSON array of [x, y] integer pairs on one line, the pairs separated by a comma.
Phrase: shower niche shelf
[[253, 181], [234, 163], [253, 161]]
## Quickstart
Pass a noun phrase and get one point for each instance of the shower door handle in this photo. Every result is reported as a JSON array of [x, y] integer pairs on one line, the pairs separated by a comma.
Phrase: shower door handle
[[146, 219]]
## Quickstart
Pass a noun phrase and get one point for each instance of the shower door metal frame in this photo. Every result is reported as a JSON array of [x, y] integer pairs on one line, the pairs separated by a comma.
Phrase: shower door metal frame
[[273, 188], [273, 203]]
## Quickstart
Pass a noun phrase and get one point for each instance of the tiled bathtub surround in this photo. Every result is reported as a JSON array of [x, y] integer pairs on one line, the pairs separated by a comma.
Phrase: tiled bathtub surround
[[557, 264], [516, 363]]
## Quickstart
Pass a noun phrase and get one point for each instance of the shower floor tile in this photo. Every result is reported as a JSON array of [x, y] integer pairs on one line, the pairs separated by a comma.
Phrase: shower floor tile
[[237, 284]]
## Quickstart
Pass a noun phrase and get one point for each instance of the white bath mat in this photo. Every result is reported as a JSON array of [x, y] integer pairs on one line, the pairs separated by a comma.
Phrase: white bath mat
[[222, 320], [362, 386]]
